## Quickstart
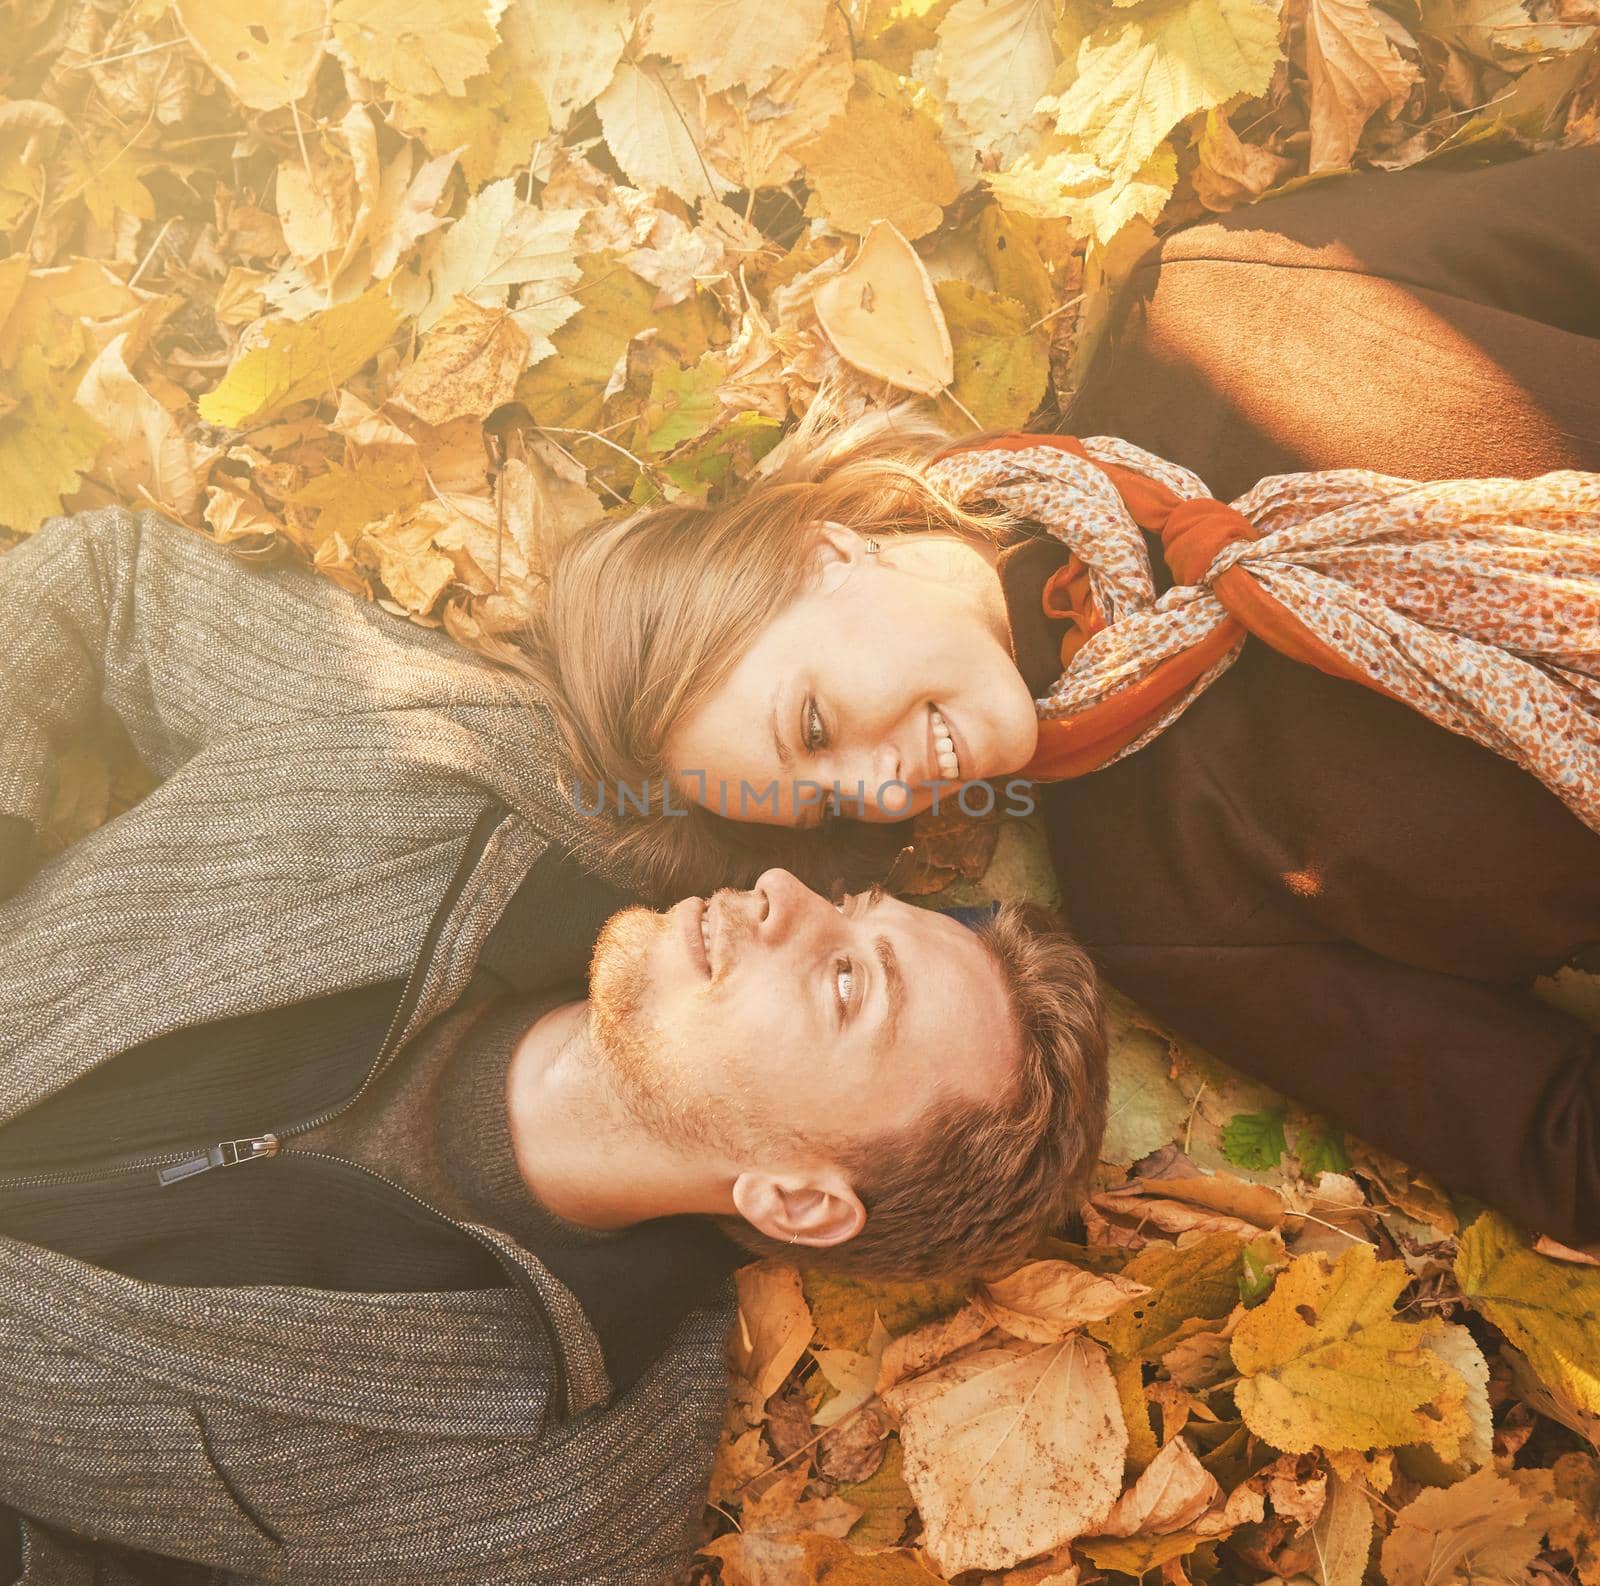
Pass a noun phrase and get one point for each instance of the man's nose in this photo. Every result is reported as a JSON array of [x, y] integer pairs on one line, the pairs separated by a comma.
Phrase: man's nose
[[783, 905]]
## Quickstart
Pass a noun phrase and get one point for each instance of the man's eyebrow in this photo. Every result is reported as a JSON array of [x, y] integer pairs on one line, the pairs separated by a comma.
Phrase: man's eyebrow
[[894, 992], [785, 759]]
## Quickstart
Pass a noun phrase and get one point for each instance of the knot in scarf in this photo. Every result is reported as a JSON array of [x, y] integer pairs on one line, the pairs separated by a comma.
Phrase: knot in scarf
[[1476, 601]]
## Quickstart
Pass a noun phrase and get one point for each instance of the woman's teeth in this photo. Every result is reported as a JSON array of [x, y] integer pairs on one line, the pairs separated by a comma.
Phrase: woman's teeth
[[944, 748]]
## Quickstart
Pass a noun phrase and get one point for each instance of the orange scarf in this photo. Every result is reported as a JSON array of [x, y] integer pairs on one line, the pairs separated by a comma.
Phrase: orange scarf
[[1477, 602]]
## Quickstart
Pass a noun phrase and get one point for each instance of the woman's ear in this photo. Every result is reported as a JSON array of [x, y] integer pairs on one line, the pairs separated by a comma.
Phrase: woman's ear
[[837, 548], [816, 1207]]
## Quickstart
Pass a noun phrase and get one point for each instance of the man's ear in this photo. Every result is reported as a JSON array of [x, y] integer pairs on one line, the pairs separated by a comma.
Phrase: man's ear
[[816, 1207]]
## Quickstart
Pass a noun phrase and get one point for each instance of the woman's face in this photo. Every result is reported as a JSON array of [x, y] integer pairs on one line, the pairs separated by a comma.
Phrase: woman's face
[[892, 674]]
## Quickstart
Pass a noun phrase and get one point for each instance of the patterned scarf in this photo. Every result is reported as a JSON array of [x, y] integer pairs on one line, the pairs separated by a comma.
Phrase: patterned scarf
[[1474, 601]]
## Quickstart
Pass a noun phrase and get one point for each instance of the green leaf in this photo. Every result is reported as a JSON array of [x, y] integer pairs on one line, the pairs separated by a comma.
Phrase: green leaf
[[1255, 1282], [1254, 1140], [1319, 1148]]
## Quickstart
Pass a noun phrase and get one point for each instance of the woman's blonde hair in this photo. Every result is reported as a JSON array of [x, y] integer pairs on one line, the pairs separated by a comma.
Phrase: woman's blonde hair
[[646, 615]]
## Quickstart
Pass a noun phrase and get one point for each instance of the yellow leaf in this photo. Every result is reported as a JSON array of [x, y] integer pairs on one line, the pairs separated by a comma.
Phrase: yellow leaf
[[47, 443], [767, 1560], [467, 364], [997, 58], [401, 550], [265, 52], [1010, 247], [1060, 181], [1354, 71], [347, 497], [1189, 1288], [1002, 365], [1326, 1362], [1549, 1309], [145, 455], [1012, 1451], [883, 316], [773, 1327], [880, 160], [417, 46], [573, 48], [1577, 1482], [651, 117], [1142, 73], [728, 42], [301, 359], [502, 115], [500, 242], [1045, 1300], [105, 174]]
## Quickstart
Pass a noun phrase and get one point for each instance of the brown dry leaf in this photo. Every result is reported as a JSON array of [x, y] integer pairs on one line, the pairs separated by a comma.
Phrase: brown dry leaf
[[146, 456], [1481, 1529], [468, 365], [763, 1560], [934, 1342], [773, 1327], [1045, 1300], [1174, 1491], [784, 1508], [883, 316], [855, 1447], [1011, 1451], [1577, 1484], [1354, 70]]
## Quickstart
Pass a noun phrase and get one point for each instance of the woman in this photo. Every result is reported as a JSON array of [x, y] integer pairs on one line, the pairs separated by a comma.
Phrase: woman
[[1304, 846]]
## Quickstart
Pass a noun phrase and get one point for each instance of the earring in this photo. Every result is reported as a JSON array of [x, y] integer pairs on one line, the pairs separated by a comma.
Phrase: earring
[[794, 1237], [872, 546]]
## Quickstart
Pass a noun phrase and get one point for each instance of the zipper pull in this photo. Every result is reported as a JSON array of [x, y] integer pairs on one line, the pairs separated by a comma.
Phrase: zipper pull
[[225, 1153]]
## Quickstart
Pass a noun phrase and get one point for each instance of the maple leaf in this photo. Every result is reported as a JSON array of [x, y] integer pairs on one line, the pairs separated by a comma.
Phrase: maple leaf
[[1324, 1361]]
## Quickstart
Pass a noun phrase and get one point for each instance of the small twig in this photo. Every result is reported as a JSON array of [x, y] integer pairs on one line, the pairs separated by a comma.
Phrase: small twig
[[1061, 308], [150, 253]]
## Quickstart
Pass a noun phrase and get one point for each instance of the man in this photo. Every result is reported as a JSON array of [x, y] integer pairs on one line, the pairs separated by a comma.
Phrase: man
[[296, 1311]]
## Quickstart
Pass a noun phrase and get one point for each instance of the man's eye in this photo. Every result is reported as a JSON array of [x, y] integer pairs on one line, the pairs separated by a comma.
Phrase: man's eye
[[812, 732], [844, 983]]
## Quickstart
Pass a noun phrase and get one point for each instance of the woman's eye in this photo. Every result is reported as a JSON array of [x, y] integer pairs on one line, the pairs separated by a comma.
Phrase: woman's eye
[[814, 735], [844, 983]]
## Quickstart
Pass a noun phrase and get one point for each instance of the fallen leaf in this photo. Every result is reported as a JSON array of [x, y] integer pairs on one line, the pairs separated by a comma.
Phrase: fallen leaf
[[1354, 72], [468, 365], [724, 42], [1324, 1361], [1043, 1301], [773, 1327], [1174, 1491], [1001, 357], [1011, 1451], [883, 316], [1549, 1309], [881, 160], [1481, 1529]]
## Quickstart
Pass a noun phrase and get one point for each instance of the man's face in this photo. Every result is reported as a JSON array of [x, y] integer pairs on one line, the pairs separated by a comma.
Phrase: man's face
[[773, 1015]]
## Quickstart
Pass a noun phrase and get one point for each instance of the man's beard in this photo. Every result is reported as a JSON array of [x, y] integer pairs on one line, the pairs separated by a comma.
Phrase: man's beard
[[627, 1044]]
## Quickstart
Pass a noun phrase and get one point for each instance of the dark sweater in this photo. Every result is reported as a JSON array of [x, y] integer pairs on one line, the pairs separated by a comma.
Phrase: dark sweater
[[1336, 895]]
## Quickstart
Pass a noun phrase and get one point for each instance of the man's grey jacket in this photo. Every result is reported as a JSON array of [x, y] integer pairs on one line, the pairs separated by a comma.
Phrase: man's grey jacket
[[343, 797]]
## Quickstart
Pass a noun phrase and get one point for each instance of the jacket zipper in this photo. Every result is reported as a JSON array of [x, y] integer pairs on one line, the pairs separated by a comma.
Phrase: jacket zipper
[[177, 1166], [174, 1166]]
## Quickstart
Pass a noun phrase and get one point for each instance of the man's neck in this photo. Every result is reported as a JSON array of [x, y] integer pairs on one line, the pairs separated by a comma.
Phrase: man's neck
[[579, 1149]]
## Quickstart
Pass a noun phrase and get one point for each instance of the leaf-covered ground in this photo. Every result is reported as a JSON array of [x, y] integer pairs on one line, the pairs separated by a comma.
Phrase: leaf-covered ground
[[411, 290]]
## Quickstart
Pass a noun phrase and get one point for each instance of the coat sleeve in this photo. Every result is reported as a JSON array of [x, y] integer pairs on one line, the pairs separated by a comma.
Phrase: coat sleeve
[[187, 646], [1482, 1085]]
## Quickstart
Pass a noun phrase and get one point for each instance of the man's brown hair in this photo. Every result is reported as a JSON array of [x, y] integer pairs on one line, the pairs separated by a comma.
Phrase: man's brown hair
[[972, 1187]]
